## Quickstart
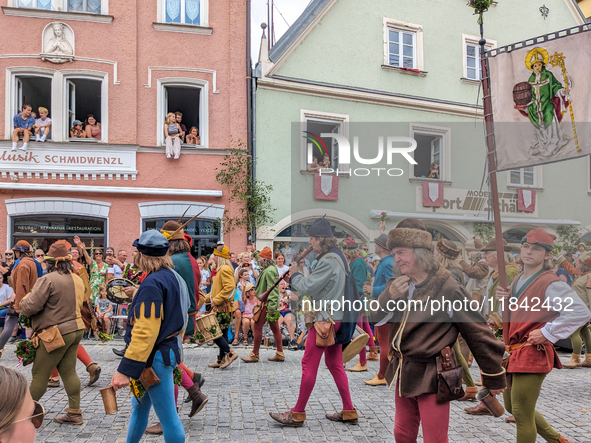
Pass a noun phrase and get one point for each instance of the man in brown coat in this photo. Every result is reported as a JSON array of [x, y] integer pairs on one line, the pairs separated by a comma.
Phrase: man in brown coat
[[24, 274]]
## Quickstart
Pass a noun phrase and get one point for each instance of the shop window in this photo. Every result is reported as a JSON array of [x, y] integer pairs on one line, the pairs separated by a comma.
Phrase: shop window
[[204, 232], [432, 149]]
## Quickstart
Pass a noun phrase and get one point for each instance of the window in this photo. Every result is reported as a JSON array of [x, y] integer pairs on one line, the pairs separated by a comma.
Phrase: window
[[190, 98], [472, 71], [523, 176], [401, 49], [204, 232], [68, 95], [189, 12], [433, 146], [87, 6], [324, 149], [403, 45]]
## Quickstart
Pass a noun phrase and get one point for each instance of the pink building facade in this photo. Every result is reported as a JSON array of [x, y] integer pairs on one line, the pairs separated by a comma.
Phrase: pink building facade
[[128, 63]]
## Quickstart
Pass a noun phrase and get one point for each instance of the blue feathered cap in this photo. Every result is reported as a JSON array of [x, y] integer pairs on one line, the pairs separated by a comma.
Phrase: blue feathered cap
[[321, 228], [152, 243]]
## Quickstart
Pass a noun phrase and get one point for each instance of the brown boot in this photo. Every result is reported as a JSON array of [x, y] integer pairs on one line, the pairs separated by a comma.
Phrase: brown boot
[[252, 358], [293, 419], [587, 362], [470, 394], [480, 409], [350, 417], [217, 364], [279, 356], [95, 372], [358, 367], [154, 429], [198, 398], [54, 382], [510, 419], [376, 381], [562, 439], [71, 417], [230, 357], [373, 354], [575, 362]]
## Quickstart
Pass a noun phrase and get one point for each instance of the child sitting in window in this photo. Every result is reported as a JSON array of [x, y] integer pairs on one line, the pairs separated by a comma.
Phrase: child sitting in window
[[326, 162], [314, 166], [42, 125], [434, 171], [77, 131], [193, 136]]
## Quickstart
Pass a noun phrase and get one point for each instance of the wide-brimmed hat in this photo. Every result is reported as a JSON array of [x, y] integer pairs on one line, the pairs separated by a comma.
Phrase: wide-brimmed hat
[[248, 288], [152, 243], [58, 252], [22, 245], [66, 243], [474, 244], [224, 253], [410, 233], [173, 231], [539, 237], [492, 246], [447, 248]]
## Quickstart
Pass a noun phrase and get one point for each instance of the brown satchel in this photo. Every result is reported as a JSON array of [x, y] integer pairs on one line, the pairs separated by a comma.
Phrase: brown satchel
[[51, 338], [256, 312], [149, 378], [449, 377], [325, 335]]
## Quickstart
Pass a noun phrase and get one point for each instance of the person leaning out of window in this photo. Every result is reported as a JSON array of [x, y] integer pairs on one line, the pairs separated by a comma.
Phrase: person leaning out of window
[[92, 127], [193, 136], [76, 131], [173, 136]]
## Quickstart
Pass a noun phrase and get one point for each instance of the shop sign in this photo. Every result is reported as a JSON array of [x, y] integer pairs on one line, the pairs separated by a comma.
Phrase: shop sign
[[472, 202], [70, 160]]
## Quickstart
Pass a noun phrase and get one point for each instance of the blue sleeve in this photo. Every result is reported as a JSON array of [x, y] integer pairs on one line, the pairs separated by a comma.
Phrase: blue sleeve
[[387, 273], [30, 122], [15, 122]]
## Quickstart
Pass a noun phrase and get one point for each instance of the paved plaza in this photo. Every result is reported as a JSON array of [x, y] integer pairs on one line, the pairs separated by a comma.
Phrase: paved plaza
[[241, 397]]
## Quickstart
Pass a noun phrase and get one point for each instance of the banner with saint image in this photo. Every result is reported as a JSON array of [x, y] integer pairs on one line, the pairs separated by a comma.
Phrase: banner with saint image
[[541, 99]]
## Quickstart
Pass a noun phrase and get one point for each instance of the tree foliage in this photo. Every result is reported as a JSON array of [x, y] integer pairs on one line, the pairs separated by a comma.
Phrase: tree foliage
[[253, 196], [568, 237], [484, 231]]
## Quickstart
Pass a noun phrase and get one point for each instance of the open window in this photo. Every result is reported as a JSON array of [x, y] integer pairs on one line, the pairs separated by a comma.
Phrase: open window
[[432, 148], [189, 101], [315, 123], [83, 98], [35, 91]]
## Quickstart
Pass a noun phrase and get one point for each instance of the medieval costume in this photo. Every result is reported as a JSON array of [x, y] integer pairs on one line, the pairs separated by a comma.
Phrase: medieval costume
[[267, 278], [582, 286], [156, 320], [532, 358], [384, 272], [417, 337], [326, 282], [54, 307], [221, 298]]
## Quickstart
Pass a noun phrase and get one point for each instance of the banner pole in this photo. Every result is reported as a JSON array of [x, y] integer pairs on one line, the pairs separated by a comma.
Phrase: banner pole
[[492, 168]]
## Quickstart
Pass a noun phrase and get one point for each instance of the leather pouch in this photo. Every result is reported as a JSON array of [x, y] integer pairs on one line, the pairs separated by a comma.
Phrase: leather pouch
[[149, 378], [52, 339], [449, 377], [325, 335], [256, 312]]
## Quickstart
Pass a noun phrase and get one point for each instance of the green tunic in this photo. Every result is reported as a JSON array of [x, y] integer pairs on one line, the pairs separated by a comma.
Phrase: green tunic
[[267, 278], [544, 89]]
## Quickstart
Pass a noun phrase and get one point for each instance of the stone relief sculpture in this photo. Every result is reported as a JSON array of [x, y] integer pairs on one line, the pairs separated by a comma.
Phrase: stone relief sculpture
[[58, 43]]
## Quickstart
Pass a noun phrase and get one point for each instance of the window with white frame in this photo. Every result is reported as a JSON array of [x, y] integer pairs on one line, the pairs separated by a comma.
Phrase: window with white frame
[[401, 48], [523, 176], [432, 153], [472, 51], [189, 97], [188, 12], [403, 45], [87, 6], [67, 96], [323, 150]]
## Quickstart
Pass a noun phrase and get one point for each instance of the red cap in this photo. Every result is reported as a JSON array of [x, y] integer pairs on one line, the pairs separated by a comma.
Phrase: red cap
[[540, 237]]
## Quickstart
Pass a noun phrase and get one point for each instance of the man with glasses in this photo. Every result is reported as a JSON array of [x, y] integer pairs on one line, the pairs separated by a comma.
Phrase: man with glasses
[[114, 270]]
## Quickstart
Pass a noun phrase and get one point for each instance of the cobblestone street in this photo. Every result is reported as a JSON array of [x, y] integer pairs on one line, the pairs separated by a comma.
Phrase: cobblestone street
[[241, 397]]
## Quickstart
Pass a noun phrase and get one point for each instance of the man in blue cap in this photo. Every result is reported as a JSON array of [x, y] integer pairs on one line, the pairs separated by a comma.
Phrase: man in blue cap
[[156, 320], [327, 282]]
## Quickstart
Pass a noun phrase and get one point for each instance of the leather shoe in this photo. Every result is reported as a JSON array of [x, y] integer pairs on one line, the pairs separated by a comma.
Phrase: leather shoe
[[480, 409], [510, 419], [293, 419], [119, 352]]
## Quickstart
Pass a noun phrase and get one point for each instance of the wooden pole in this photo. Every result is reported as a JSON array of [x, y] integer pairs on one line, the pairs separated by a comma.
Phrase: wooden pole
[[492, 168]]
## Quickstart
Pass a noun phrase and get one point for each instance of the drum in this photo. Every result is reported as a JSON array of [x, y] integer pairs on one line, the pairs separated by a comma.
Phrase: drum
[[116, 293], [208, 327], [522, 95], [358, 342]]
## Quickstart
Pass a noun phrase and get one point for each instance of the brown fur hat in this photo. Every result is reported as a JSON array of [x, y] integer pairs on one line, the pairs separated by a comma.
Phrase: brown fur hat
[[448, 249], [169, 228], [410, 233]]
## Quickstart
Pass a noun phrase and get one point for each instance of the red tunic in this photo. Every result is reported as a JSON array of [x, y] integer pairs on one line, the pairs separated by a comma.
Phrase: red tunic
[[531, 359]]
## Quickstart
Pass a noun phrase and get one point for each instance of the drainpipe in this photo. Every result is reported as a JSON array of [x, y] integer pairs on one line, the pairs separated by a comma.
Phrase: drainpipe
[[249, 98]]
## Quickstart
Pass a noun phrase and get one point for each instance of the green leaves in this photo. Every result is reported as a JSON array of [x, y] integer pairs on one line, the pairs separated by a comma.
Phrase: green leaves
[[484, 231]]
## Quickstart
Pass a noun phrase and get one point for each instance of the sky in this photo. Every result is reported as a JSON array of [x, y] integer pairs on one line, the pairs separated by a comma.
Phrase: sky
[[290, 9]]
